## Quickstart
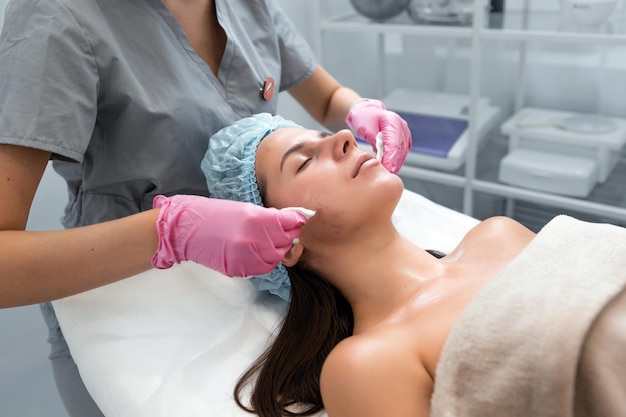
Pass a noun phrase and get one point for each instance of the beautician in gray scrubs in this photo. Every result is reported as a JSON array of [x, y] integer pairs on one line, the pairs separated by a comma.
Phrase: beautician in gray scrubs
[[123, 95]]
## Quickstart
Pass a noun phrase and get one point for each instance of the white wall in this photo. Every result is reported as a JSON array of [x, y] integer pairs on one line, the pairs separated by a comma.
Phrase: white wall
[[300, 12]]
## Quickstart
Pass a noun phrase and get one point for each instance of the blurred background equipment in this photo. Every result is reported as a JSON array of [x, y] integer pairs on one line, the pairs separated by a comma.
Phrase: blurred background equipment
[[380, 9], [442, 11], [590, 12]]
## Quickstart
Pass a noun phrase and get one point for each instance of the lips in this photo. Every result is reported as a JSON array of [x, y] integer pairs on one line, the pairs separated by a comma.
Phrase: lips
[[363, 158]]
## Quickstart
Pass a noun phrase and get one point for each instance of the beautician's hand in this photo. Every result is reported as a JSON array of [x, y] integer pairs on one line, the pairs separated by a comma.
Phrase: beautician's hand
[[368, 117], [234, 238]]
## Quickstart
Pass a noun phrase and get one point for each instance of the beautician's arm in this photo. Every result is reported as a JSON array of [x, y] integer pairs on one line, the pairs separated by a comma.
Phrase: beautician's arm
[[327, 101], [43, 266]]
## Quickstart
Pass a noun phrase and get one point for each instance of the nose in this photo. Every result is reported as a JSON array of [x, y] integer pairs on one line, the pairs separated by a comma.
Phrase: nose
[[343, 142]]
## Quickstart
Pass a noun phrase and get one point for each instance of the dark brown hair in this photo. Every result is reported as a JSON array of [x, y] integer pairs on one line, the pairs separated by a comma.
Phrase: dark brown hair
[[285, 379]]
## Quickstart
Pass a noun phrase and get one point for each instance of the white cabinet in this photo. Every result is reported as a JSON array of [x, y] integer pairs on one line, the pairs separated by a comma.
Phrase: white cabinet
[[516, 35]]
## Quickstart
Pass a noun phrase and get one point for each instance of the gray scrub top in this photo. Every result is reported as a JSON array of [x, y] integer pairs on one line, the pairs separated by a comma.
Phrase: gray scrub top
[[114, 90]]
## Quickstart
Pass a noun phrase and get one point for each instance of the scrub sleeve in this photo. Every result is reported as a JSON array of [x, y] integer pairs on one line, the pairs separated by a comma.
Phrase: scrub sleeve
[[113, 89]]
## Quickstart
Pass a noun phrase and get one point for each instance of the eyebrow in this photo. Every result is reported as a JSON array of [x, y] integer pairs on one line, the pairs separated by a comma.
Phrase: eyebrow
[[299, 146], [294, 148]]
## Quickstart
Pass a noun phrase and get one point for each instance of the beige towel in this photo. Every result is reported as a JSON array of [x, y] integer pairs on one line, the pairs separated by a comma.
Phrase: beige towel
[[518, 347]]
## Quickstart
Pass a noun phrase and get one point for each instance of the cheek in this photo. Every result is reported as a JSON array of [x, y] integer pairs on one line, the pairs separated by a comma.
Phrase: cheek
[[339, 214], [333, 211], [349, 209], [309, 192], [326, 226]]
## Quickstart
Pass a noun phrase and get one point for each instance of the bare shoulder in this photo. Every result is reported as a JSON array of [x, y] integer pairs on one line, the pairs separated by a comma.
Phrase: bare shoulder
[[373, 376], [503, 223], [502, 228], [358, 354]]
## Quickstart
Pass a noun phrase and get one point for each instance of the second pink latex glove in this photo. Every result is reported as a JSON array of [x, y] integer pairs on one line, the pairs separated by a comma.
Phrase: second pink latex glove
[[234, 238], [368, 117]]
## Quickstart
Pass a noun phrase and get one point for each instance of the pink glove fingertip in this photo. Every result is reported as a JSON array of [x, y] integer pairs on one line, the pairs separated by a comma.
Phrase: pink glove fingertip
[[293, 220], [302, 215]]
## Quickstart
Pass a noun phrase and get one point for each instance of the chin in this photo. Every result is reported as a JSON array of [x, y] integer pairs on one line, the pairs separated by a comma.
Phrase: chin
[[388, 187], [398, 188]]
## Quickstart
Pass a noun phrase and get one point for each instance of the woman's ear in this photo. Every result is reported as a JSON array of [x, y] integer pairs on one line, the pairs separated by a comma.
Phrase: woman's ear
[[293, 256]]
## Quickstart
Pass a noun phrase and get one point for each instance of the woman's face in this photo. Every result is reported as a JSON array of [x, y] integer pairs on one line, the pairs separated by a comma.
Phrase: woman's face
[[347, 187]]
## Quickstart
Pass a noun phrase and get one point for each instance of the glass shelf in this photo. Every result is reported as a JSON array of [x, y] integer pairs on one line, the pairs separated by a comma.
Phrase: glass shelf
[[606, 199], [354, 22], [514, 25], [553, 27]]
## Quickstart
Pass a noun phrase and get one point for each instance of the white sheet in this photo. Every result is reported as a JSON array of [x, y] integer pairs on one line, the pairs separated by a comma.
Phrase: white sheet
[[174, 342]]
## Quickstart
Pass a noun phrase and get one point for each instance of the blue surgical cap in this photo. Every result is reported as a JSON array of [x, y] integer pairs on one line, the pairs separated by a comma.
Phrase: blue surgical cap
[[229, 169]]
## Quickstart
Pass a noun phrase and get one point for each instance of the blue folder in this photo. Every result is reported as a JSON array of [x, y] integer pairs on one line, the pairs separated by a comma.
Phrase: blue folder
[[433, 135]]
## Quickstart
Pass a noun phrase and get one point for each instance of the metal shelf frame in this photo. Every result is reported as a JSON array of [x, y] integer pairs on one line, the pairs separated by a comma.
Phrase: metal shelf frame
[[523, 30]]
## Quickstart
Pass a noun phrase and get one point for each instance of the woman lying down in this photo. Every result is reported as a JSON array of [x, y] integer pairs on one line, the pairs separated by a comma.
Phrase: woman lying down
[[377, 326]]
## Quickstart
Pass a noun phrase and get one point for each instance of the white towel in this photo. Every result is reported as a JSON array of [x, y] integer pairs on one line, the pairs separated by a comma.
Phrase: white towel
[[516, 348]]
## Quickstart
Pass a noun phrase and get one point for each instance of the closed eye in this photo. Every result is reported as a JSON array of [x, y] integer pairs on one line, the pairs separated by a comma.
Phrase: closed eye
[[301, 167]]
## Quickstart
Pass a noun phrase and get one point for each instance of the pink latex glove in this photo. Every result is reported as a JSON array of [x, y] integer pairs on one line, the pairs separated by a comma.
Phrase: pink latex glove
[[367, 118], [234, 238]]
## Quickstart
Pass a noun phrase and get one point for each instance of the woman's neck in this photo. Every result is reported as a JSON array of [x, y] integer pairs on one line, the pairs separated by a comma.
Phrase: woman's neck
[[379, 276]]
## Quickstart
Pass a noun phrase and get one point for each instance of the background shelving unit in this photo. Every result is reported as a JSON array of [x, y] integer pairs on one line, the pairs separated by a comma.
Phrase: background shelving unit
[[523, 27]]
